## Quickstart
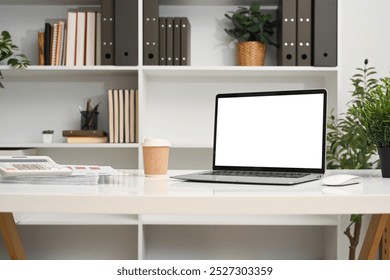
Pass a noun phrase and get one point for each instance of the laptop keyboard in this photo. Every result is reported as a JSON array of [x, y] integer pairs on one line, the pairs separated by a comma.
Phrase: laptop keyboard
[[256, 173]]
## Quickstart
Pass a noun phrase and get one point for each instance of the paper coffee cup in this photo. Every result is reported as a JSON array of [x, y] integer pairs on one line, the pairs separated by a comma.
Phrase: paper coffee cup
[[156, 157]]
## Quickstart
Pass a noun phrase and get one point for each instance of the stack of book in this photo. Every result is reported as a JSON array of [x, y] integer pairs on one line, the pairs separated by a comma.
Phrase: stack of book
[[85, 136], [123, 115], [308, 33], [75, 41], [166, 40]]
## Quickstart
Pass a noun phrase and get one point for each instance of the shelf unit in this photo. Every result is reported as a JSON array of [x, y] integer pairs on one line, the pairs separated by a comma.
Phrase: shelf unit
[[187, 93], [176, 103]]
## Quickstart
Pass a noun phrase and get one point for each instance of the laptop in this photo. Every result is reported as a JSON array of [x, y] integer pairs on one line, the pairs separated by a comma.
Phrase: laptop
[[275, 137]]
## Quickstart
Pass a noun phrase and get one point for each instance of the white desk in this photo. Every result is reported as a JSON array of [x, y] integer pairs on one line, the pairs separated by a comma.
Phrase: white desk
[[135, 194]]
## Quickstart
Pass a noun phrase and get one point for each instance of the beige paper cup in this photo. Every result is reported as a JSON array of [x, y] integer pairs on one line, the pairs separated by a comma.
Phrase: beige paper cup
[[156, 157]]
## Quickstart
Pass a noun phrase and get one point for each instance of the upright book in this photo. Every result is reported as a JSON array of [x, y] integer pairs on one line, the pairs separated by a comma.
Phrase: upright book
[[90, 38], [304, 24], [287, 33], [80, 38], [71, 39], [110, 101], [126, 32], [47, 43], [325, 33], [150, 32]]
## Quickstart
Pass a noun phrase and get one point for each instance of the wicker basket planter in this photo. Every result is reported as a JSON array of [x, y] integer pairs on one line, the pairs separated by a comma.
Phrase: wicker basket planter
[[251, 53]]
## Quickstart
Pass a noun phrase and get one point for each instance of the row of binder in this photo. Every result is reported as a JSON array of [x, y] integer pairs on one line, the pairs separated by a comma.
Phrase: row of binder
[[166, 40], [308, 34]]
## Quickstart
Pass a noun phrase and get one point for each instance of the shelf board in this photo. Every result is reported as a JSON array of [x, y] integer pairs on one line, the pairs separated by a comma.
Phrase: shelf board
[[238, 71], [67, 145], [67, 71], [171, 71], [216, 2], [268, 220], [74, 219], [51, 2]]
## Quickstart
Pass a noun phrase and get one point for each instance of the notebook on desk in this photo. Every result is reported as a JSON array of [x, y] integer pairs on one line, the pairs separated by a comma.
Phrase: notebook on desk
[[275, 137]]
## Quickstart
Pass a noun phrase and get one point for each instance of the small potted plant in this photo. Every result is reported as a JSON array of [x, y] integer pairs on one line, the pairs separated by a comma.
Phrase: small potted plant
[[253, 31], [373, 114], [47, 136], [7, 51]]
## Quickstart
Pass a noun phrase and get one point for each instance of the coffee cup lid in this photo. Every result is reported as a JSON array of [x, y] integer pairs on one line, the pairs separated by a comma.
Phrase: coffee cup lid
[[156, 142]]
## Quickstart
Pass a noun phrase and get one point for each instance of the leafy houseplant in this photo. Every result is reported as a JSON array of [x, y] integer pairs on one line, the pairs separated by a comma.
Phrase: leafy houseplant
[[349, 147], [373, 114], [254, 28], [7, 51]]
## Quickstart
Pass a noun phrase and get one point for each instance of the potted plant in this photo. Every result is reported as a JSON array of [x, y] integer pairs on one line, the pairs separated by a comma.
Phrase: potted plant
[[373, 114], [253, 31], [7, 51], [47, 135], [349, 146]]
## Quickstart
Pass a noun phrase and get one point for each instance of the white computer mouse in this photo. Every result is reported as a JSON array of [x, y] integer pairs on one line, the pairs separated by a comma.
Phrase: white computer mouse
[[341, 180]]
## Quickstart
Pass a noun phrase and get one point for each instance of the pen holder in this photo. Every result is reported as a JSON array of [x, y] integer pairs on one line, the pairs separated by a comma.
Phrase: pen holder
[[89, 120]]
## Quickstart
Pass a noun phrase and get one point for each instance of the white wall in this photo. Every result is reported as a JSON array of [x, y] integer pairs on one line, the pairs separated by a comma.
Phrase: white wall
[[363, 33]]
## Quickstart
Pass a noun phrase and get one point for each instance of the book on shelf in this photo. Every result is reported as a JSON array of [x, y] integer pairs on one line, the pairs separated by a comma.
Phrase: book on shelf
[[87, 139], [47, 43], [122, 115], [80, 38], [90, 38], [53, 44], [60, 43], [98, 50], [71, 39], [83, 133], [41, 47], [110, 102]]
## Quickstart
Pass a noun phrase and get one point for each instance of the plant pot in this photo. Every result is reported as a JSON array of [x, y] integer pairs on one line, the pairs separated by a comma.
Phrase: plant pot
[[47, 138], [384, 157], [251, 53]]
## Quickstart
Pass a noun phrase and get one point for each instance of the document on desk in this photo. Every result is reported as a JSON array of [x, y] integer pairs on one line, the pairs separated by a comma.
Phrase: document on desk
[[81, 175]]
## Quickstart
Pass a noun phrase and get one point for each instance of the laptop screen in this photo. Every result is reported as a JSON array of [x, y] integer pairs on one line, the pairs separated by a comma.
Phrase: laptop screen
[[282, 130]]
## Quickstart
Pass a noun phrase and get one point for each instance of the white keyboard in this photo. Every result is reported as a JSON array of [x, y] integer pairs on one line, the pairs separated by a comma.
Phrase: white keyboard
[[31, 166]]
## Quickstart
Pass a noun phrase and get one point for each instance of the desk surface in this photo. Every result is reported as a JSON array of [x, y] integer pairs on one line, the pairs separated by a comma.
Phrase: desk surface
[[132, 193]]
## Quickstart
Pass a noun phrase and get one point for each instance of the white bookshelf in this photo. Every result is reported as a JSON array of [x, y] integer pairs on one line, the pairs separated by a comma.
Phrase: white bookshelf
[[176, 103]]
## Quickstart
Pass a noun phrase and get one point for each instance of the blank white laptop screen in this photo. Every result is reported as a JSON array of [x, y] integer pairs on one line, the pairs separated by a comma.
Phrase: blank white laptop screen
[[282, 131]]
